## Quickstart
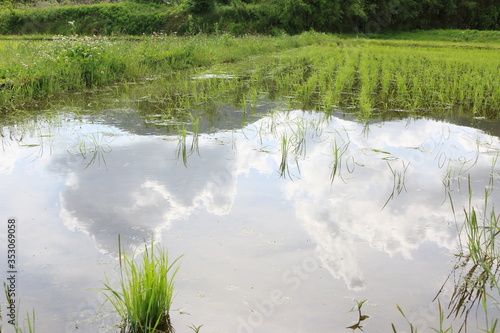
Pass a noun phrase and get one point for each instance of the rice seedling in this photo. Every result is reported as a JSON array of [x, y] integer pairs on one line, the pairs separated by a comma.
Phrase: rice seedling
[[182, 146], [284, 169], [144, 296], [344, 78], [339, 149], [372, 77], [195, 329], [369, 75], [95, 145], [30, 318], [398, 181], [361, 317], [477, 271], [414, 329]]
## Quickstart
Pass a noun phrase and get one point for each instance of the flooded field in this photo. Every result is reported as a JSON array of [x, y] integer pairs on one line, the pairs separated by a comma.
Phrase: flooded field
[[290, 211]]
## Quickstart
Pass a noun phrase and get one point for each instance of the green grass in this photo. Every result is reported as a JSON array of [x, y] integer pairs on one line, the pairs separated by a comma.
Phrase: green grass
[[325, 72], [32, 69], [144, 296]]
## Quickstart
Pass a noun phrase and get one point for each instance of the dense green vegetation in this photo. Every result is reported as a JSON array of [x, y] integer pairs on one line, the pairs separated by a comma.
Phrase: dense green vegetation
[[323, 71], [108, 18], [32, 69], [246, 16], [369, 77]]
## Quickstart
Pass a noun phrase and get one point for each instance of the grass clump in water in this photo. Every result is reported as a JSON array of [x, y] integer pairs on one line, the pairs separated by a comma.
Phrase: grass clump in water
[[145, 293]]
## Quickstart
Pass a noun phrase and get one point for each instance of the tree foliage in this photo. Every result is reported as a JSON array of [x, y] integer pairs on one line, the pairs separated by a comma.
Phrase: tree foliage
[[248, 16], [200, 6], [385, 15]]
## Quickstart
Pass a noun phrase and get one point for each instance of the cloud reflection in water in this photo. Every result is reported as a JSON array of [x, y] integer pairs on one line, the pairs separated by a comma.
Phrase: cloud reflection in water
[[146, 190]]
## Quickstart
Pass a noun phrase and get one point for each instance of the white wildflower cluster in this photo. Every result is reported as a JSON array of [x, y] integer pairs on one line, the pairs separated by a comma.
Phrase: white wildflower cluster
[[161, 35], [71, 48]]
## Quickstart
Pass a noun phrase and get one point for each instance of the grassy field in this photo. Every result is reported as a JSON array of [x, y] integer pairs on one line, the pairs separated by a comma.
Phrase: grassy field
[[32, 69], [323, 71]]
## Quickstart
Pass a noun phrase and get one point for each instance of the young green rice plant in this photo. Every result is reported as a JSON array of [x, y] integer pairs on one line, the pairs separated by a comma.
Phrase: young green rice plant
[[361, 317], [308, 92], [93, 146], [30, 318], [477, 271], [398, 180], [183, 152], [339, 149], [30, 321], [344, 78], [144, 296], [386, 73], [284, 168], [413, 329], [195, 329], [300, 141], [369, 76], [490, 325]]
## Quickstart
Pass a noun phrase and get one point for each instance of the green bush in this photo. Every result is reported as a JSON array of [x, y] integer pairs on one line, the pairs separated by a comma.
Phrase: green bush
[[107, 18], [200, 6]]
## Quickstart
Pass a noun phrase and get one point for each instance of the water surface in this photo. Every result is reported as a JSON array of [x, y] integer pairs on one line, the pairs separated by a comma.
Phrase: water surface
[[271, 241]]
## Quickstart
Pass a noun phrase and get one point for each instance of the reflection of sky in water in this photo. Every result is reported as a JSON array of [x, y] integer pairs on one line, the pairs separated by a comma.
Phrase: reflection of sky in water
[[382, 230]]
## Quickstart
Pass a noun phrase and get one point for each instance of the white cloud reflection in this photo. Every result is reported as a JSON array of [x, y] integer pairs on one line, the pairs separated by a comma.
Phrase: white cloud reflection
[[143, 190], [348, 212]]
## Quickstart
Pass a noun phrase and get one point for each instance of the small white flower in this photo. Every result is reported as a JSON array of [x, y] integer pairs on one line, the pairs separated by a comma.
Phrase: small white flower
[[71, 22]]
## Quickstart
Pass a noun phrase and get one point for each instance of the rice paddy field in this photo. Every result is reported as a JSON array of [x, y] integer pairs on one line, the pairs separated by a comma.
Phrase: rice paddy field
[[309, 183]]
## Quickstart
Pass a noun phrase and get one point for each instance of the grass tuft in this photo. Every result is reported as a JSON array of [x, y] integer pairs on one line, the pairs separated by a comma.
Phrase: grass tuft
[[146, 290]]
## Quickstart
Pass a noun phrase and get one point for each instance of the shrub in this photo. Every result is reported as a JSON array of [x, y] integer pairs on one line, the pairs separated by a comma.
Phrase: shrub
[[200, 6]]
